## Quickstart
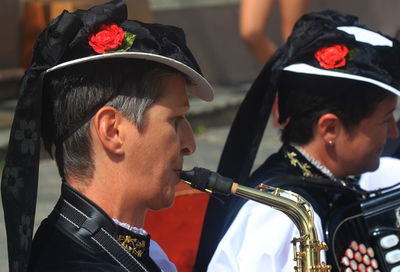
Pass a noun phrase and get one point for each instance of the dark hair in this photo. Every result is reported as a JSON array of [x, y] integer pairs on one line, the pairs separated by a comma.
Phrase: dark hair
[[305, 98], [73, 95]]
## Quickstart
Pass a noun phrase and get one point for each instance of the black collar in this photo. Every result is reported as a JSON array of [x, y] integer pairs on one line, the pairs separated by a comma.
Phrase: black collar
[[89, 219], [87, 224]]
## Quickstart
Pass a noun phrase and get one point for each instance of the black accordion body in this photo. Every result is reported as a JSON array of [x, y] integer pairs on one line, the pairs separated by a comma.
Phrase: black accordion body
[[365, 236]]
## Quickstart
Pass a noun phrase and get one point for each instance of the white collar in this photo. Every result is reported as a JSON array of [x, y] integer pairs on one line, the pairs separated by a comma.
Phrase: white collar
[[316, 163], [133, 229]]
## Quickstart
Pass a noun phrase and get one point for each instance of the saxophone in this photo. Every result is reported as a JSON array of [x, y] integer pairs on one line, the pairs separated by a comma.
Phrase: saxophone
[[306, 248]]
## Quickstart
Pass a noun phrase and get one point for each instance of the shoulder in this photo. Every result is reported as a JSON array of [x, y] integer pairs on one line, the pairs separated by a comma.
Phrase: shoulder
[[258, 238], [276, 165], [54, 251], [254, 219]]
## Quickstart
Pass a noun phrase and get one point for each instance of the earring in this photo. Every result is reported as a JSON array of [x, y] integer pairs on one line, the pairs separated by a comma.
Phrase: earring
[[330, 142]]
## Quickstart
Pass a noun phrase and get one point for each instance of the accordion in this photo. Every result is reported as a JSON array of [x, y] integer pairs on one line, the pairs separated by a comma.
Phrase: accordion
[[365, 236]]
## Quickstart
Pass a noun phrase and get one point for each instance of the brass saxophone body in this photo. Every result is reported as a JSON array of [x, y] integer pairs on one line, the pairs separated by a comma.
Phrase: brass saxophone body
[[307, 248]]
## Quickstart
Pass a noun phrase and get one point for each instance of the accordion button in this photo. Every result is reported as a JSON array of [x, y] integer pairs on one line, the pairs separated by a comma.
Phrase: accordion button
[[374, 263], [362, 248], [354, 245], [361, 268], [348, 269], [345, 261], [393, 256], [389, 241], [370, 269], [358, 257], [366, 260], [395, 269], [353, 264], [370, 252], [349, 253]]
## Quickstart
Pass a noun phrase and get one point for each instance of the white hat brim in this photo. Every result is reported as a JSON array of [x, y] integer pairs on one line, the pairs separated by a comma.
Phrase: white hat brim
[[311, 70], [199, 87]]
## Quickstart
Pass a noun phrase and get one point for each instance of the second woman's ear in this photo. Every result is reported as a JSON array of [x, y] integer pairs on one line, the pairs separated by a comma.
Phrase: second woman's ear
[[329, 127]]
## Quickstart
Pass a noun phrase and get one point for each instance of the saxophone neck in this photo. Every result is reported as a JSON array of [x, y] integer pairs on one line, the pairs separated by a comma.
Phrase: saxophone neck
[[293, 205], [306, 248]]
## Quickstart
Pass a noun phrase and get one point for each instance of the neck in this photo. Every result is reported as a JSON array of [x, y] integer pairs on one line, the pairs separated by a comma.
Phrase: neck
[[316, 163], [326, 157], [109, 196]]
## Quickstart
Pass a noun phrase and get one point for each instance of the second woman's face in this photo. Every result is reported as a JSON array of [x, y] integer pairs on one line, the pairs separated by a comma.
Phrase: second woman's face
[[360, 148]]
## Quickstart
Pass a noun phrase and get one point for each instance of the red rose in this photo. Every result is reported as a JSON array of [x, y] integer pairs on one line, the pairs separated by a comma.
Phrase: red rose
[[108, 38], [332, 56]]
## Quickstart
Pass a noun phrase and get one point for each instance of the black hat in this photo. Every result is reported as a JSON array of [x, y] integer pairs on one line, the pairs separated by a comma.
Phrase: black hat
[[103, 32], [323, 44], [358, 54], [326, 44], [99, 34]]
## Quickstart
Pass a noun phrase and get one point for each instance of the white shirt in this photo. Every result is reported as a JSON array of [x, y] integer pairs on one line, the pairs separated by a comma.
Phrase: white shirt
[[386, 175], [160, 258], [258, 240], [259, 237]]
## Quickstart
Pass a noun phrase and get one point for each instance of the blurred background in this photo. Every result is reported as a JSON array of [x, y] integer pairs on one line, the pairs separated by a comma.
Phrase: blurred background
[[211, 28]]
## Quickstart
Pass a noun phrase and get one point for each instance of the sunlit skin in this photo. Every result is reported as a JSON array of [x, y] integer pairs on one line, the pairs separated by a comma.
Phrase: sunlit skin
[[138, 169], [254, 16], [356, 150]]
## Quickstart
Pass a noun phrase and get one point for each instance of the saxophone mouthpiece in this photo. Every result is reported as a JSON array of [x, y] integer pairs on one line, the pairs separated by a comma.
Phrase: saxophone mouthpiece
[[207, 181]]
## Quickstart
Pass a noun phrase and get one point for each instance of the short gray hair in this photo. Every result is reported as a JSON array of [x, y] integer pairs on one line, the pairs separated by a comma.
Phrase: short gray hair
[[129, 86]]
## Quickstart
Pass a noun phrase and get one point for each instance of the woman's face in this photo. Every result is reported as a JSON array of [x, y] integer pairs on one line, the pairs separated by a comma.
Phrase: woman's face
[[358, 149], [156, 156]]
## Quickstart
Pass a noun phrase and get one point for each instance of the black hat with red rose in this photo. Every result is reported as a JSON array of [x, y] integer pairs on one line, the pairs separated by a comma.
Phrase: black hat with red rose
[[327, 45]]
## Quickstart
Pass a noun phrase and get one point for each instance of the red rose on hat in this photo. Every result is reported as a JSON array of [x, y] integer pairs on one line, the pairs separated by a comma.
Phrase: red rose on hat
[[332, 56], [108, 38]]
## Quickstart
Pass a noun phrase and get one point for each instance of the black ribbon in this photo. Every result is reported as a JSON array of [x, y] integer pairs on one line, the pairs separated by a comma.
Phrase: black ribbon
[[20, 175]]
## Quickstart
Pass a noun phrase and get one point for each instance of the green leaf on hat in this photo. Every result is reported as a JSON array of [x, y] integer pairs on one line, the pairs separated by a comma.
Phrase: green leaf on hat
[[127, 42]]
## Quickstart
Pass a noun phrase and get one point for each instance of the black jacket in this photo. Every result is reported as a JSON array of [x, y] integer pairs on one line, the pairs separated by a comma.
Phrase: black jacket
[[59, 245]]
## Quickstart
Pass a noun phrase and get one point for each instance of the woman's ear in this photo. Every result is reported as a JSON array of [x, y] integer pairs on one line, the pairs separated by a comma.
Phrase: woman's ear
[[329, 127], [106, 126]]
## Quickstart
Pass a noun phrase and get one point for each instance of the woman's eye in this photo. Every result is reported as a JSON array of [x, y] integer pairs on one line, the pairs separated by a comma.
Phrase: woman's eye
[[388, 120], [176, 120]]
